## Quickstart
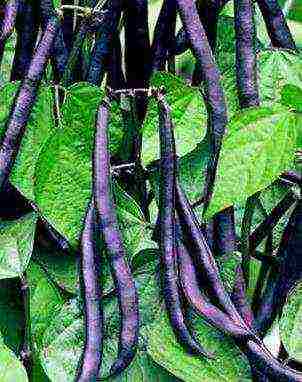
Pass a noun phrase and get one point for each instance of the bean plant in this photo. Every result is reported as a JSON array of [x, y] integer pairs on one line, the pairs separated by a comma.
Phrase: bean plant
[[150, 190]]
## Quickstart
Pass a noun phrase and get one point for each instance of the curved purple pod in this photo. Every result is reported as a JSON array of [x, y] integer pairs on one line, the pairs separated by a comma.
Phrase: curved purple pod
[[214, 96], [281, 281], [200, 303], [167, 240], [59, 54], [246, 63], [202, 256], [163, 35], [263, 362], [108, 225], [276, 24], [24, 101], [27, 27], [9, 20], [91, 358]]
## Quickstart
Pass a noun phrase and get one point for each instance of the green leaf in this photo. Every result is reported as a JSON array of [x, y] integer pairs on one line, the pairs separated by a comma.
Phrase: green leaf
[[11, 313], [40, 126], [249, 160], [228, 365], [61, 267], [16, 244], [291, 95], [45, 302], [276, 69], [291, 324], [64, 173], [188, 114], [225, 48], [11, 369]]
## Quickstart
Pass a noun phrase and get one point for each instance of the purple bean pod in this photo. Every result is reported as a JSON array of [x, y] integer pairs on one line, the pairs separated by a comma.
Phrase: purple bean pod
[[214, 97], [269, 367], [208, 14], [91, 358], [59, 55], [67, 25], [282, 281], [276, 24], [239, 298], [246, 63], [203, 257], [271, 220], [163, 35], [24, 101], [200, 303], [224, 232], [167, 241], [116, 77], [9, 21], [27, 27], [102, 50], [108, 224]]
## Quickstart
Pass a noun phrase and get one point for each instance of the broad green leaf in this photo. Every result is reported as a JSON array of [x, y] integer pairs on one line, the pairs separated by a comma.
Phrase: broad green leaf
[[228, 365], [11, 369], [225, 47], [45, 302], [260, 146], [16, 245], [40, 126], [11, 313], [276, 69], [188, 114], [291, 324], [63, 174], [62, 344], [291, 96], [61, 267]]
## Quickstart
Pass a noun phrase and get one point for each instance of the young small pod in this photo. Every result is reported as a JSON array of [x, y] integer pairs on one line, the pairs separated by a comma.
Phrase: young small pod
[[109, 228]]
